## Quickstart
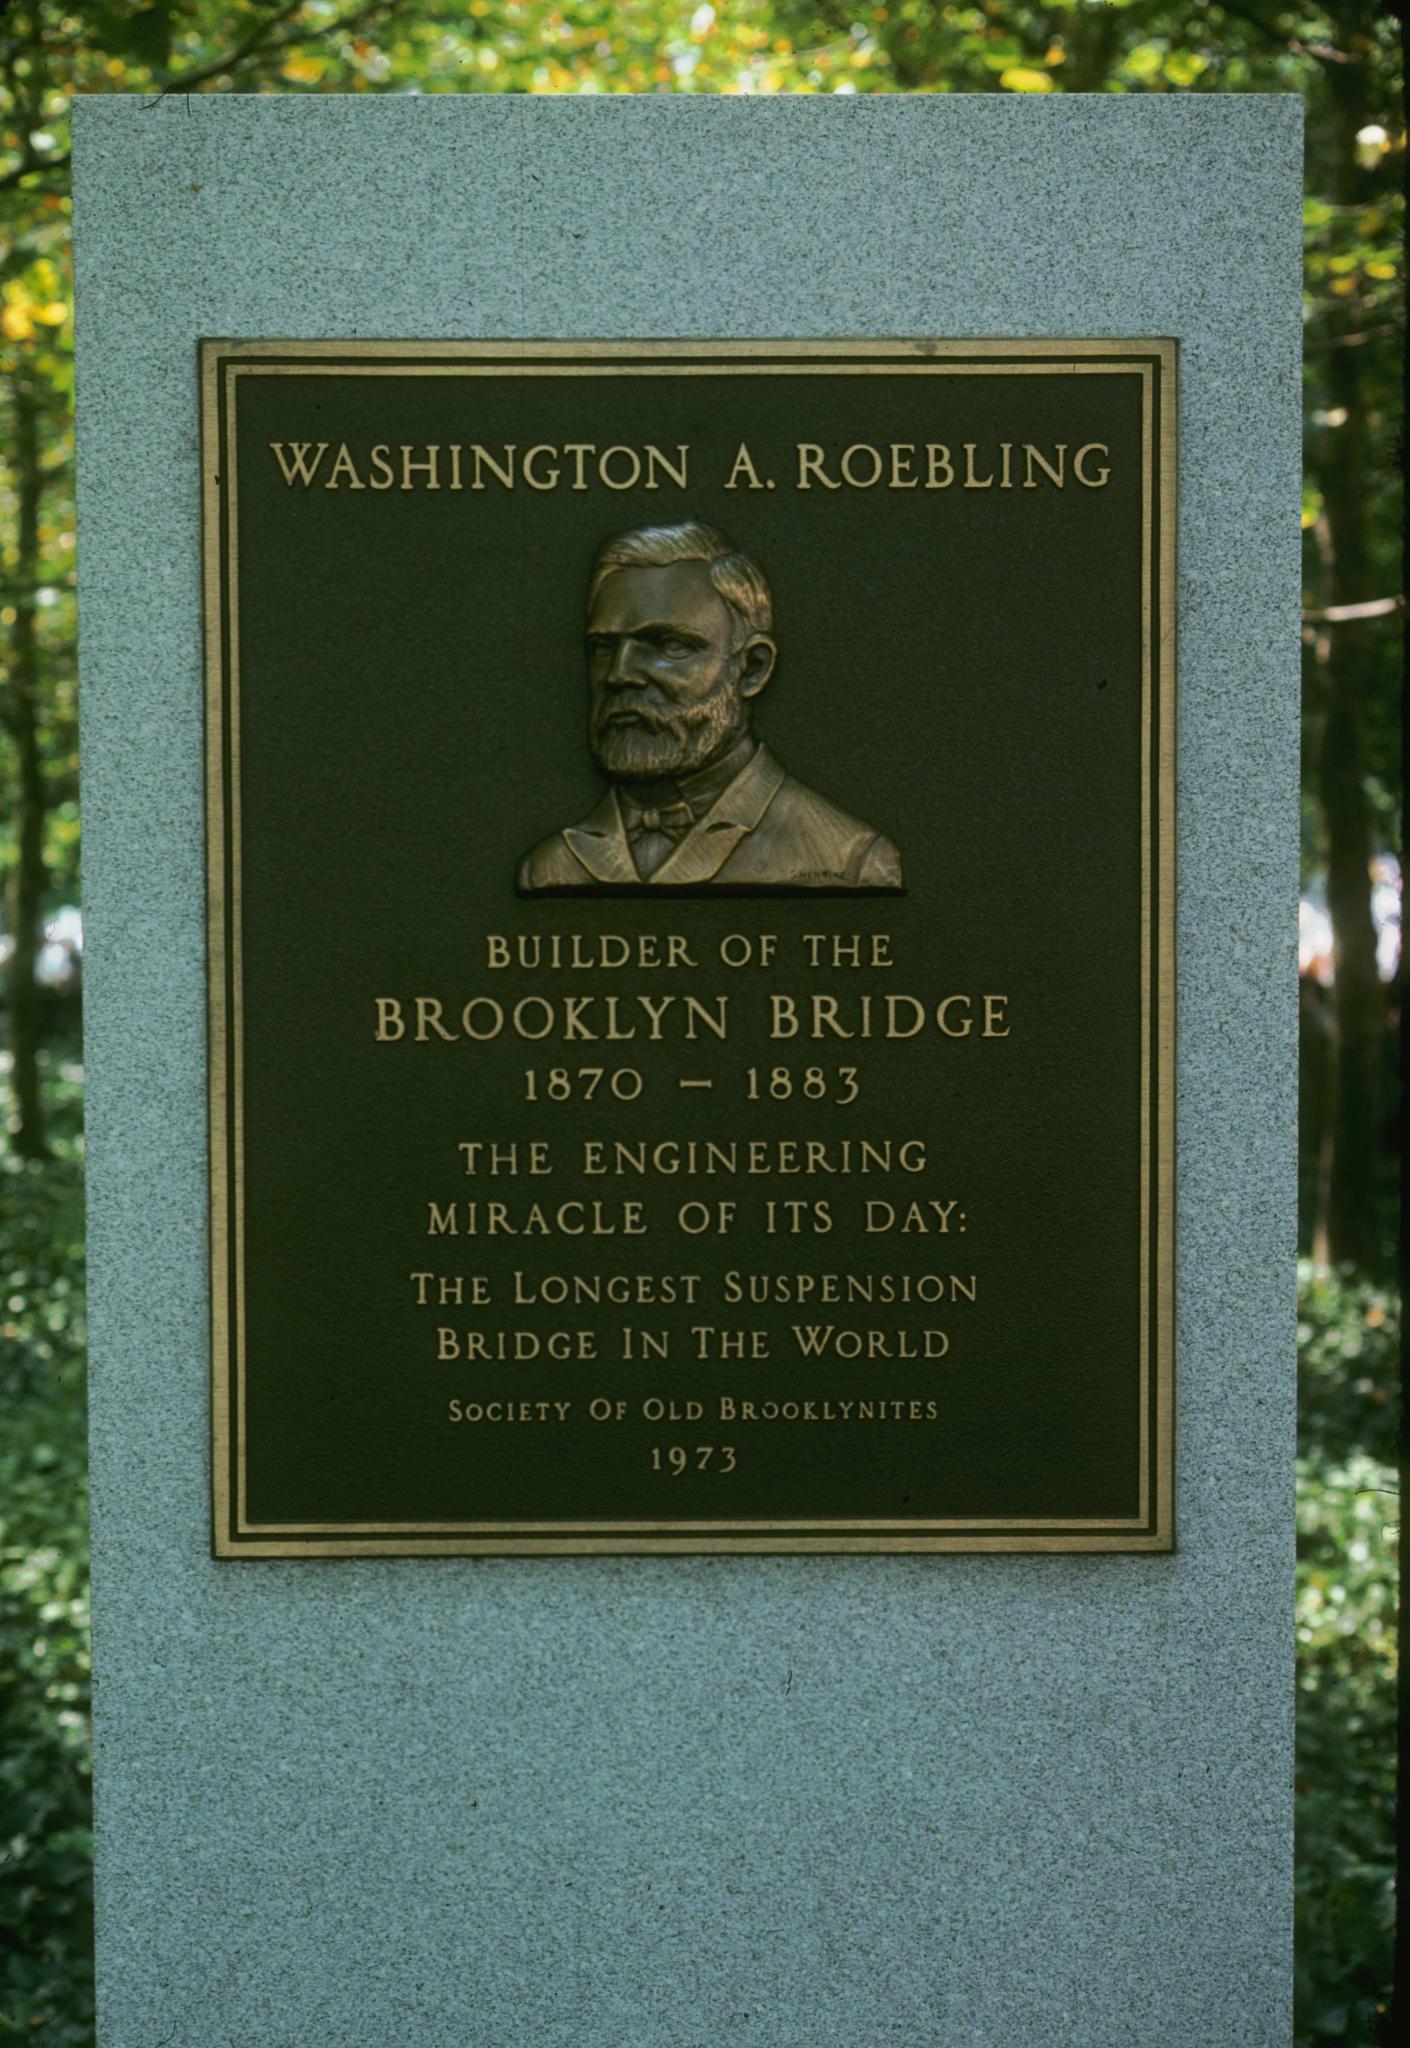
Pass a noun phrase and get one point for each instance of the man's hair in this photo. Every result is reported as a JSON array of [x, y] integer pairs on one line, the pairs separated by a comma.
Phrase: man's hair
[[736, 576]]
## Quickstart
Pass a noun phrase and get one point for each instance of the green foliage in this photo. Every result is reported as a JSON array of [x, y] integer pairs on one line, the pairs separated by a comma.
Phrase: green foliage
[[45, 1845], [1347, 1519], [1348, 1338], [1345, 60]]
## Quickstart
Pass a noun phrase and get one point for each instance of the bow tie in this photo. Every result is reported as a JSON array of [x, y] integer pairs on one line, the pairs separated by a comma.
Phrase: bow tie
[[672, 819]]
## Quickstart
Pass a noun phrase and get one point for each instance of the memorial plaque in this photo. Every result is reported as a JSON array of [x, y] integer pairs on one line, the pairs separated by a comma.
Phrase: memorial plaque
[[691, 880]]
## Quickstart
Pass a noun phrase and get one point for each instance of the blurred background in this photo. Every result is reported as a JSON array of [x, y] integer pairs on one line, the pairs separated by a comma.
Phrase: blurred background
[[1347, 64]]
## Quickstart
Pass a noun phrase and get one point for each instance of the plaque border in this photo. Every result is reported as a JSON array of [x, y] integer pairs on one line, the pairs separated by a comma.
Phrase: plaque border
[[221, 365]]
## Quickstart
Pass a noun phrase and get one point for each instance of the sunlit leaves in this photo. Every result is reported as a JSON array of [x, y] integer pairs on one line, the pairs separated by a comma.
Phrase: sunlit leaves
[[304, 70], [1145, 61], [1183, 67]]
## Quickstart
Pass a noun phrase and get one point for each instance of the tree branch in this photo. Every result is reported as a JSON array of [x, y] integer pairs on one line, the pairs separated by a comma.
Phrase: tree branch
[[264, 44], [1348, 614], [218, 67], [44, 582], [1322, 53], [1357, 339]]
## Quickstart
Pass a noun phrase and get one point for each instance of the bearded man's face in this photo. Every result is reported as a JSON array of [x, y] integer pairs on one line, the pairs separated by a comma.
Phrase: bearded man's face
[[664, 673]]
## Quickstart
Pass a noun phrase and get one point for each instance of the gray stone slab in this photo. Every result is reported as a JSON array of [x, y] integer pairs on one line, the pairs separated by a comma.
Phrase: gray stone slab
[[1010, 1802]]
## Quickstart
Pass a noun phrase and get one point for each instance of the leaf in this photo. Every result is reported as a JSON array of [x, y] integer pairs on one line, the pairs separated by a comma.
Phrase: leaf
[[1145, 61], [1022, 78]]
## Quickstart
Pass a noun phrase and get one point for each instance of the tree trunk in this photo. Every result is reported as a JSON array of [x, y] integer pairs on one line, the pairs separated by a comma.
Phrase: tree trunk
[[1093, 45], [26, 893], [1359, 1006]]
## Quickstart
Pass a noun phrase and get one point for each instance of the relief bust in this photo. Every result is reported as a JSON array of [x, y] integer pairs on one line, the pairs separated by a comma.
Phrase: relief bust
[[679, 644]]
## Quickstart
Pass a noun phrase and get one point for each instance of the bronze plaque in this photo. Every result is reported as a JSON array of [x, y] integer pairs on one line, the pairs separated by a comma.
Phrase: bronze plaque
[[691, 866]]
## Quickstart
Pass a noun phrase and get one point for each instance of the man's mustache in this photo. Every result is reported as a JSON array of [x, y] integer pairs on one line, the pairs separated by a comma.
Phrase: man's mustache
[[652, 717]]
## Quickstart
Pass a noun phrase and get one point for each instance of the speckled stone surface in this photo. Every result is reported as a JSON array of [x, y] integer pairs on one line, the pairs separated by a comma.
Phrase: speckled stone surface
[[662, 1803]]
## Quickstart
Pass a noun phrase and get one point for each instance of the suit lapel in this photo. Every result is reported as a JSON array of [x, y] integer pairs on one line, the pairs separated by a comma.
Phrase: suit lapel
[[712, 839], [600, 843]]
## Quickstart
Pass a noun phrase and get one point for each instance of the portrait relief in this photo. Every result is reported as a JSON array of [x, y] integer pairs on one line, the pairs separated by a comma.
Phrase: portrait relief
[[680, 645]]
